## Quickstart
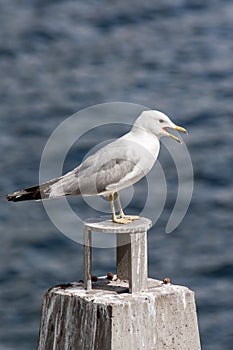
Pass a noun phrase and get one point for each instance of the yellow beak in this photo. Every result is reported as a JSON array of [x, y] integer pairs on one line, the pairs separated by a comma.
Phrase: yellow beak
[[179, 128]]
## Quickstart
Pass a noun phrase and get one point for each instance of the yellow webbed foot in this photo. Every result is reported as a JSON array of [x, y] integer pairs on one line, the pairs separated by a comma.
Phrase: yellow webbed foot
[[131, 217], [123, 221]]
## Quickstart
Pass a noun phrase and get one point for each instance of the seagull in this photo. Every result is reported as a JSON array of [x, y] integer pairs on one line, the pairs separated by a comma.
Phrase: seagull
[[112, 168]]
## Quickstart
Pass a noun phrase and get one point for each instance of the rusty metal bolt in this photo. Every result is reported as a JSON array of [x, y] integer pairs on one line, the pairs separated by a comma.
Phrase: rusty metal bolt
[[166, 280], [110, 276]]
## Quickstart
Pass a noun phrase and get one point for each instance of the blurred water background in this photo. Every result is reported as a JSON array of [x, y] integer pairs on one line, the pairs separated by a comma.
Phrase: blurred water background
[[57, 57]]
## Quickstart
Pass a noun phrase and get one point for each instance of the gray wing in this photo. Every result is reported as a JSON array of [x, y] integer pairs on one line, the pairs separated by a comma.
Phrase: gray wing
[[111, 168], [106, 176]]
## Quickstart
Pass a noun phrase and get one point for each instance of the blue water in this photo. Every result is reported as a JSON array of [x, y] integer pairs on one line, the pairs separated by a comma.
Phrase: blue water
[[57, 57]]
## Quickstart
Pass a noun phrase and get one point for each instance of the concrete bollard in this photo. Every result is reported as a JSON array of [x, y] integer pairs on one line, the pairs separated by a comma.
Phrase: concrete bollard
[[132, 311]]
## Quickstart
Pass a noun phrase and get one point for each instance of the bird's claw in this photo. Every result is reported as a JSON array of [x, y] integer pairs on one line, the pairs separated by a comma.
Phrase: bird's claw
[[125, 219], [122, 220], [131, 217]]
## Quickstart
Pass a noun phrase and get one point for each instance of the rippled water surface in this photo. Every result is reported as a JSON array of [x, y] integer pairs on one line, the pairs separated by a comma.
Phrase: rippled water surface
[[57, 57]]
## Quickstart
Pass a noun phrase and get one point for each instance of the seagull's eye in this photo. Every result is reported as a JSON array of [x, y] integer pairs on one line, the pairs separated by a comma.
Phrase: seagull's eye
[[161, 120]]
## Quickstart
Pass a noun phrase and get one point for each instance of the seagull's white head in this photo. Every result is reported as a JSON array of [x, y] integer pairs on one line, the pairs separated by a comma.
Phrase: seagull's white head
[[157, 123]]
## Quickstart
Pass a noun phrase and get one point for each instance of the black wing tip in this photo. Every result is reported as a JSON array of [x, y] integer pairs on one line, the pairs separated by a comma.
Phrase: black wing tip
[[23, 196], [11, 197]]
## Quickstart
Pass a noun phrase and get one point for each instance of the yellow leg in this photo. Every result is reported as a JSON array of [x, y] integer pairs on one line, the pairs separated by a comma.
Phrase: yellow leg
[[120, 220], [121, 213]]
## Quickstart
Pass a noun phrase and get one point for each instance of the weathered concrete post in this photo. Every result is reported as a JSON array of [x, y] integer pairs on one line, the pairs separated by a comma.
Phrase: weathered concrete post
[[132, 311]]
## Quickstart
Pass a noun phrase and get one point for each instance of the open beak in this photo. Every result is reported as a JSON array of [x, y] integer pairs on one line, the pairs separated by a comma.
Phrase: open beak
[[179, 128]]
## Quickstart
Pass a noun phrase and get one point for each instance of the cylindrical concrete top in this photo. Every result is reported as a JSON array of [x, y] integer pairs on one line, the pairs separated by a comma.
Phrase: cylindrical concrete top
[[105, 224]]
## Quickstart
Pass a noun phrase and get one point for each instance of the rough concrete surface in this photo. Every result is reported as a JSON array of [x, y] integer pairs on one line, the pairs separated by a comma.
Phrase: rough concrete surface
[[109, 318]]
